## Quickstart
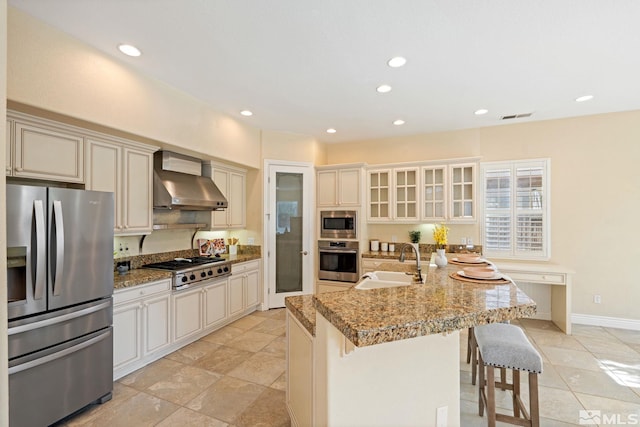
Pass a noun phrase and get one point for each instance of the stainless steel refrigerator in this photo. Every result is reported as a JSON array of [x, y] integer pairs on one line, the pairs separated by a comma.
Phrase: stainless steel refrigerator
[[59, 287]]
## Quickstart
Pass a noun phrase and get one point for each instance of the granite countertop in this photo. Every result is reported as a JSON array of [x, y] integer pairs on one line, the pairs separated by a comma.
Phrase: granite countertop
[[302, 308], [140, 276], [443, 304]]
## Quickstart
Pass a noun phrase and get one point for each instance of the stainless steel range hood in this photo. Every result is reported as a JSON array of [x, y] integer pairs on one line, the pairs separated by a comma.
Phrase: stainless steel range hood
[[177, 184]]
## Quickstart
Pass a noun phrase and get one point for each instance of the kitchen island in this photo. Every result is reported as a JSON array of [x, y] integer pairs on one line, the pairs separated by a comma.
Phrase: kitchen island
[[388, 356]]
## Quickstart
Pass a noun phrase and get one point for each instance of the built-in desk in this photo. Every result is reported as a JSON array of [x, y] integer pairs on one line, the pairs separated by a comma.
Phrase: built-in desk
[[549, 285]]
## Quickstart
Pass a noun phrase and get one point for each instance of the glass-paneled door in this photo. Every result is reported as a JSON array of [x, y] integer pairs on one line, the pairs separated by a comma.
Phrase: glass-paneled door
[[290, 261]]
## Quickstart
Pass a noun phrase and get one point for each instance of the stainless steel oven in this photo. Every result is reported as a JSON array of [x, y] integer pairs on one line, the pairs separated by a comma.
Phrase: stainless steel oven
[[338, 225], [338, 261]]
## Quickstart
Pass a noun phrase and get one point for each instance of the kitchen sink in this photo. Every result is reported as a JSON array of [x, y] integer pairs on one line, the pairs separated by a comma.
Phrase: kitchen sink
[[386, 279]]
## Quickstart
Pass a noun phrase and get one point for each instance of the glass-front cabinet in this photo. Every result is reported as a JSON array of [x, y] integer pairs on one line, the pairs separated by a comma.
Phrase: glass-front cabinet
[[434, 192], [406, 194], [463, 200], [379, 195], [423, 192]]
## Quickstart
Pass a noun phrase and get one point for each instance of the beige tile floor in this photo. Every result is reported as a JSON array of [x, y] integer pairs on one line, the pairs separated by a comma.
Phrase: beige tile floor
[[236, 377]]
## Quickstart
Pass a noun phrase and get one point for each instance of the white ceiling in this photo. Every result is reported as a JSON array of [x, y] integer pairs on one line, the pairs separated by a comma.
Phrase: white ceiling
[[307, 65]]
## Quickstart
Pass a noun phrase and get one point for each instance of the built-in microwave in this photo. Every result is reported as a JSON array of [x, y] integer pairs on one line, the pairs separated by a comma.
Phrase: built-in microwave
[[338, 225]]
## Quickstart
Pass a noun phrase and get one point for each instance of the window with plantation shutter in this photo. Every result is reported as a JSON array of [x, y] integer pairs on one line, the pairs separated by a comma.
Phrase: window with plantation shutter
[[515, 220]]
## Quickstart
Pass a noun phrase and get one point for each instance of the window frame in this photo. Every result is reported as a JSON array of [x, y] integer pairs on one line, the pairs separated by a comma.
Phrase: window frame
[[513, 166]]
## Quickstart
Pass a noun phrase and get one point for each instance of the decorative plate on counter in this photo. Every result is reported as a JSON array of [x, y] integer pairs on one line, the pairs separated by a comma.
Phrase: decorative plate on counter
[[211, 247]]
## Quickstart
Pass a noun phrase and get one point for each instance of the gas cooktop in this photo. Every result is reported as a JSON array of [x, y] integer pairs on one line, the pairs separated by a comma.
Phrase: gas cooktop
[[190, 271], [182, 263]]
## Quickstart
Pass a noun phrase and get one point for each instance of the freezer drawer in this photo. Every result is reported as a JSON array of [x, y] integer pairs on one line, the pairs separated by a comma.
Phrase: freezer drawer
[[46, 386], [45, 330]]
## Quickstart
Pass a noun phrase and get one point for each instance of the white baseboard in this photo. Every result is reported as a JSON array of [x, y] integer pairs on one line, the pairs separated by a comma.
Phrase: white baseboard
[[608, 322]]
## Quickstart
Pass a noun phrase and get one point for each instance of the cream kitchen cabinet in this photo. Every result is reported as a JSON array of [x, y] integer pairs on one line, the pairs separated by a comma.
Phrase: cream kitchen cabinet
[[394, 194], [141, 325], [462, 199], [244, 287], [126, 169], [42, 149], [9, 150], [187, 308], [449, 192], [338, 187], [232, 183], [215, 303], [199, 310]]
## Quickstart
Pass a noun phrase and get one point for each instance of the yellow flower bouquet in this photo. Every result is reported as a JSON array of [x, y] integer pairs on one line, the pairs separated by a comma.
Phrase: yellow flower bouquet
[[440, 233]]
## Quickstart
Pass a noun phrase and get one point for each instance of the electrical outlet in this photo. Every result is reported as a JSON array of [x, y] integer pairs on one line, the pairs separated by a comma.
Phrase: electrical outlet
[[463, 241], [251, 240], [469, 241], [597, 299], [394, 239]]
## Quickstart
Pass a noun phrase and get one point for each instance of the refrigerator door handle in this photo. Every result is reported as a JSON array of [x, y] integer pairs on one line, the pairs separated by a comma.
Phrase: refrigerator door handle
[[58, 355], [39, 271], [58, 229]]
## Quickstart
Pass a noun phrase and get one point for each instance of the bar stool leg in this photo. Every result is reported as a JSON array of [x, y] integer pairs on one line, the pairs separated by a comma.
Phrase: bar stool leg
[[481, 384], [469, 343], [533, 400], [491, 396], [474, 358], [516, 392]]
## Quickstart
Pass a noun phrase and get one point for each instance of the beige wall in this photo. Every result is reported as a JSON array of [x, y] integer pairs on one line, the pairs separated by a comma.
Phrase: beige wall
[[594, 184], [4, 376], [51, 70]]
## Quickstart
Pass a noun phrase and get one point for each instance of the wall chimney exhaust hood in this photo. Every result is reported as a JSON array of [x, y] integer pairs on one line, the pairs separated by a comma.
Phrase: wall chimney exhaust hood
[[178, 184]]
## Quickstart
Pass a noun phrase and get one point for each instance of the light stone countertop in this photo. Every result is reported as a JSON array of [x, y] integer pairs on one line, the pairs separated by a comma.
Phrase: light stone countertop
[[443, 304]]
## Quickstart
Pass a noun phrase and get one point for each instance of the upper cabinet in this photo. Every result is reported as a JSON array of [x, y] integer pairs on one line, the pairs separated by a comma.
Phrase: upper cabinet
[[9, 150], [338, 186], [126, 169], [422, 192], [40, 149], [463, 192], [394, 194], [449, 192], [232, 183]]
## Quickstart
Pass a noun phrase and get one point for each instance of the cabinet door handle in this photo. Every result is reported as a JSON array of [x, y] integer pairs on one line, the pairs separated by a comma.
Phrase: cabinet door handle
[[304, 252], [18, 169]]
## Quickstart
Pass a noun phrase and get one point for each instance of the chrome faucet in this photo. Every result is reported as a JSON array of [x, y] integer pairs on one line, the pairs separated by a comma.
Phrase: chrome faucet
[[416, 249]]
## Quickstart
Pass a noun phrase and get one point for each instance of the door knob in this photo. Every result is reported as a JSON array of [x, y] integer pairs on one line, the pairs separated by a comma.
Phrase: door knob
[[304, 252]]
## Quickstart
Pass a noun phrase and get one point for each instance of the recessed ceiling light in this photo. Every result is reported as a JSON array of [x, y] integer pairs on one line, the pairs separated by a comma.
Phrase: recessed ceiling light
[[129, 50], [246, 113], [331, 130], [383, 88], [398, 122], [481, 112], [584, 98], [396, 62]]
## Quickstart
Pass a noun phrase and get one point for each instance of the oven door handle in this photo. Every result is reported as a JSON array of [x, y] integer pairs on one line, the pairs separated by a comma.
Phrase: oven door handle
[[339, 251]]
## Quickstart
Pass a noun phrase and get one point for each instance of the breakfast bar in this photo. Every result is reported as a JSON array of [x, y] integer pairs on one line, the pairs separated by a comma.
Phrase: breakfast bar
[[388, 356]]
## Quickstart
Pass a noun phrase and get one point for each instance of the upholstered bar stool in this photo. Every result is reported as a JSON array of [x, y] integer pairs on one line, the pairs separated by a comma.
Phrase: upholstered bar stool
[[506, 346], [472, 357]]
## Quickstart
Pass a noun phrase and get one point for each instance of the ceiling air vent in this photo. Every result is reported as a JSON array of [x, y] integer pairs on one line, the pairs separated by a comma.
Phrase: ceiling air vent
[[516, 116]]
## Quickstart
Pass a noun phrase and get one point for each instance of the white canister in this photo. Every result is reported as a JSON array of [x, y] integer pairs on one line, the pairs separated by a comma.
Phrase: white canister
[[375, 245], [384, 246], [392, 247]]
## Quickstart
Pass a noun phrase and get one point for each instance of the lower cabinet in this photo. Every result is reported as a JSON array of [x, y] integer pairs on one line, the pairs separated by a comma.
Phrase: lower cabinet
[[300, 373], [187, 307], [151, 321], [141, 324], [244, 286]]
